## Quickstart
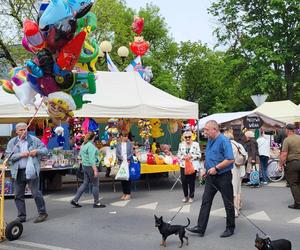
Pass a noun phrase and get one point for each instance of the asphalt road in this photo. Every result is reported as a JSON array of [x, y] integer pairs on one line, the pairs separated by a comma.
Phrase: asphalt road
[[130, 225]]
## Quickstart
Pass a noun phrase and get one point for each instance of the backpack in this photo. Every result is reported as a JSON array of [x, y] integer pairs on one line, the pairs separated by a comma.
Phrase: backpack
[[240, 158]]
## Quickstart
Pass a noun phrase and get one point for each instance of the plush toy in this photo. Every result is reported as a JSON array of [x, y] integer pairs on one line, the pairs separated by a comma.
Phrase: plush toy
[[156, 129], [59, 131], [166, 149], [46, 136], [150, 159]]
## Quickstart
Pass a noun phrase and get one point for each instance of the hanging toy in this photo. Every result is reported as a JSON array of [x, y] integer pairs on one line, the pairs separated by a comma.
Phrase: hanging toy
[[46, 136], [59, 131], [156, 129], [137, 25]]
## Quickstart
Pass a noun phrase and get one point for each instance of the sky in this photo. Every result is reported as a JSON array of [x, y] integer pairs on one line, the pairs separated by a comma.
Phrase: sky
[[187, 20]]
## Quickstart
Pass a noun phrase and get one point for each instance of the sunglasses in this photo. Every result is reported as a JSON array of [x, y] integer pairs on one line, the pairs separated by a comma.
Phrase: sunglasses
[[187, 137]]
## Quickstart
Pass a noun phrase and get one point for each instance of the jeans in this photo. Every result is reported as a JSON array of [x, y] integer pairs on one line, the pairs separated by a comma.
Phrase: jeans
[[292, 173], [20, 184], [264, 165], [223, 183], [188, 183], [88, 177]]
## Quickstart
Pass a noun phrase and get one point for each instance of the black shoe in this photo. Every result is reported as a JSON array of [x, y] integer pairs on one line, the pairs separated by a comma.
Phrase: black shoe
[[226, 233], [75, 204], [294, 206], [22, 220], [41, 218], [196, 230], [99, 205]]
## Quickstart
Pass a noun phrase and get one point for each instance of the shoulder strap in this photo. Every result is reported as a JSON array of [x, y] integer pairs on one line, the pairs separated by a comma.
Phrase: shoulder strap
[[238, 148]]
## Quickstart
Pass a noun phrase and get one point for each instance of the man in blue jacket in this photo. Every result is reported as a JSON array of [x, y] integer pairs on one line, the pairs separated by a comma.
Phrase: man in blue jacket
[[219, 161], [25, 152]]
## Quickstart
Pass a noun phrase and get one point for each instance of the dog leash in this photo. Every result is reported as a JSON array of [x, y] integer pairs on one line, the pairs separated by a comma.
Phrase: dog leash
[[251, 222], [170, 221]]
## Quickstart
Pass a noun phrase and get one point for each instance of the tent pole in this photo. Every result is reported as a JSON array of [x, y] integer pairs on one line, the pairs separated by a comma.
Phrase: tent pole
[[198, 132]]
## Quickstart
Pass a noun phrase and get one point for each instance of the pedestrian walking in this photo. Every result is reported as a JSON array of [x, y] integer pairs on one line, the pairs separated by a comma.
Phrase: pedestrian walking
[[188, 153], [124, 151], [25, 151], [219, 161], [290, 155], [238, 171], [89, 154]]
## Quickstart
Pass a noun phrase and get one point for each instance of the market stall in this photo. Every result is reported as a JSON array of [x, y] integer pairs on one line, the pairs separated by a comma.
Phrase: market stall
[[122, 95]]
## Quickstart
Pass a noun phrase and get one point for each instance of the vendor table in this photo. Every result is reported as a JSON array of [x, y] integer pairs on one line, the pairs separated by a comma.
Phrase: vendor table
[[153, 169], [51, 178]]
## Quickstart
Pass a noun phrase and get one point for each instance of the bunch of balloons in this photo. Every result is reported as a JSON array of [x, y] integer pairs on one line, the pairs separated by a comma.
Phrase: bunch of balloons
[[63, 66]]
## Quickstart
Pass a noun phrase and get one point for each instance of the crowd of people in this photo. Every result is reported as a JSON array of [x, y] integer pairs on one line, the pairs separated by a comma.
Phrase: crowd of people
[[226, 163]]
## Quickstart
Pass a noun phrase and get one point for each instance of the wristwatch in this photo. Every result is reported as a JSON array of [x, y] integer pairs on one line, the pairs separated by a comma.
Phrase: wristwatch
[[216, 169]]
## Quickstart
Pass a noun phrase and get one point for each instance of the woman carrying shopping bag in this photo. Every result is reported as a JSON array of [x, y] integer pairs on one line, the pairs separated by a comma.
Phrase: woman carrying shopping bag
[[89, 154], [189, 155], [124, 151]]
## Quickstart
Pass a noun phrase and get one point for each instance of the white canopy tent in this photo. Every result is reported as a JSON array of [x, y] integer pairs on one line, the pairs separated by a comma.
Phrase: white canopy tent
[[285, 111], [120, 95], [222, 118]]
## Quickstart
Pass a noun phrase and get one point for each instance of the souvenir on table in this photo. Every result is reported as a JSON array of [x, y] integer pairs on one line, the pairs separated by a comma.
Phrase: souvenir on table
[[59, 131]]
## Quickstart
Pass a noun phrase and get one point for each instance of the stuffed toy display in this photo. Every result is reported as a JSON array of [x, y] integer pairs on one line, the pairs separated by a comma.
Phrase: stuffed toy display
[[46, 136], [156, 129], [59, 131]]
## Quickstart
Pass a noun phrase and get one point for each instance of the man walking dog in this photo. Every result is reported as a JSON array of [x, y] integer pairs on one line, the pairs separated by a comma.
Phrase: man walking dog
[[219, 161], [24, 151]]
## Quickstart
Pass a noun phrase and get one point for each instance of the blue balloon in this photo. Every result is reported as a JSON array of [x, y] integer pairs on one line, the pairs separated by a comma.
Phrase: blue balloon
[[56, 11], [34, 69], [34, 84], [77, 4]]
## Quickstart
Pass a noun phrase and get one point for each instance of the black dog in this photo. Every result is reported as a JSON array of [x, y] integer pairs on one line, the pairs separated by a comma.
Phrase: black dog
[[167, 229], [267, 244]]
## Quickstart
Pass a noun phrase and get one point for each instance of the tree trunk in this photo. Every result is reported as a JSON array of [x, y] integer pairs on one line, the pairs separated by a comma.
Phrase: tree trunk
[[288, 79], [7, 54]]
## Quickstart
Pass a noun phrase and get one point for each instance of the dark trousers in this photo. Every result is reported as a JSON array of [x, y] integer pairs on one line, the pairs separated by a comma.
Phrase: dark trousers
[[264, 164], [223, 184], [126, 187], [292, 174], [188, 183], [20, 184], [88, 177]]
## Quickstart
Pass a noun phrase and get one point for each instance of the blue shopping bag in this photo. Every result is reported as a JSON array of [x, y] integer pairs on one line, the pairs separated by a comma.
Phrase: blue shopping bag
[[134, 169]]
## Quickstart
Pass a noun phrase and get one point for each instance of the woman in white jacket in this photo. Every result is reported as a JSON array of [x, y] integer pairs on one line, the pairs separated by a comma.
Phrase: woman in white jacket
[[238, 171], [188, 150]]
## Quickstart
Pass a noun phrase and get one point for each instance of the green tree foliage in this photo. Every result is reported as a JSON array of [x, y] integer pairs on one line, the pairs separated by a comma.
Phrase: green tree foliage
[[264, 43]]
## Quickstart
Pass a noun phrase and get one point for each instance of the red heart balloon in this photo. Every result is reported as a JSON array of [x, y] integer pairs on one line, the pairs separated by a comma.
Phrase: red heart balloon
[[139, 47], [137, 25]]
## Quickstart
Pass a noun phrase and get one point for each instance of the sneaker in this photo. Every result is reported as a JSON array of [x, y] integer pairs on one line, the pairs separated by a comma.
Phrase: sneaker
[[185, 199], [75, 204], [191, 200], [264, 182], [41, 218], [99, 205]]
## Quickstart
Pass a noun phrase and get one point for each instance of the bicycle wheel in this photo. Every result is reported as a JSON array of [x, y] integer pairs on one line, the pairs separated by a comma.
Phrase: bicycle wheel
[[273, 172]]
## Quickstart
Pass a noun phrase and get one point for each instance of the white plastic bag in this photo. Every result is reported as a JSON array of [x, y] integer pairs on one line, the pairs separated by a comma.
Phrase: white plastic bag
[[123, 173], [30, 169]]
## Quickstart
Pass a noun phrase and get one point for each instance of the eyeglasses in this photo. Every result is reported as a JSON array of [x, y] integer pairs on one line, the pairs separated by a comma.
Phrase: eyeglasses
[[187, 137]]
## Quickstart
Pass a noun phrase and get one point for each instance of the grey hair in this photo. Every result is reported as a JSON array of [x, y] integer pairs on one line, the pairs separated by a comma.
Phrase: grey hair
[[214, 124], [21, 124]]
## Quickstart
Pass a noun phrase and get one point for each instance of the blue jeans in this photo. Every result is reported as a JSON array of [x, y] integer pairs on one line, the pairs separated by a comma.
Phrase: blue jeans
[[20, 184], [88, 178], [264, 165]]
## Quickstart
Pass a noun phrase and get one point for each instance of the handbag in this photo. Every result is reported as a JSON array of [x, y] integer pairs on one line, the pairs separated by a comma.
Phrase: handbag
[[134, 169], [123, 173], [189, 168], [240, 158], [30, 169]]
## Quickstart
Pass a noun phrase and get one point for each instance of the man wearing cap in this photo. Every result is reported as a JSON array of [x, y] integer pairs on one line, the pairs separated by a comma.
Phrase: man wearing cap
[[290, 155], [219, 161]]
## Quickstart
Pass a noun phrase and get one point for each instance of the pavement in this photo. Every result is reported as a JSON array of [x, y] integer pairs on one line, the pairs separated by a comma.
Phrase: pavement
[[129, 225]]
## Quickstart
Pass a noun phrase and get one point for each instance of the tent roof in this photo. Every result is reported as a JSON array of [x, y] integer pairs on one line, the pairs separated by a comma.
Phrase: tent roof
[[285, 111], [120, 95], [228, 117]]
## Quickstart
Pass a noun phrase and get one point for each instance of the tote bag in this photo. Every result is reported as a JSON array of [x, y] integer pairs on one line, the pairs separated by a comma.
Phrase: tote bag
[[134, 169], [30, 169], [123, 173], [189, 168]]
